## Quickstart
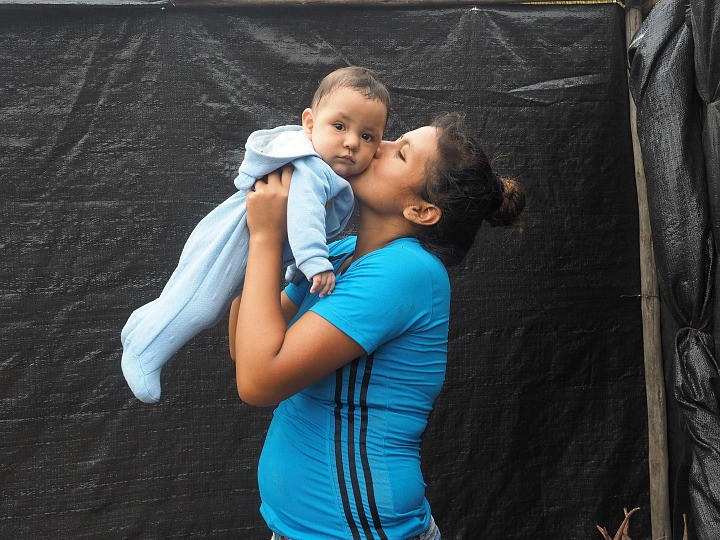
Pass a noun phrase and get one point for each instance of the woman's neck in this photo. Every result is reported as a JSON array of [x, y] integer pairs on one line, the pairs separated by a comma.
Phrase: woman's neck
[[375, 232]]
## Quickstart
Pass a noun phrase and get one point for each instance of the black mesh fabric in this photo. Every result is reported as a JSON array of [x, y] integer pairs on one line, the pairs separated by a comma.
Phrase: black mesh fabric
[[675, 80], [120, 129]]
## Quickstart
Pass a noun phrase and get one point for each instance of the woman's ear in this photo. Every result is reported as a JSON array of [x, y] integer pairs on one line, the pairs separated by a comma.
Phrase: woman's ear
[[422, 213], [308, 121]]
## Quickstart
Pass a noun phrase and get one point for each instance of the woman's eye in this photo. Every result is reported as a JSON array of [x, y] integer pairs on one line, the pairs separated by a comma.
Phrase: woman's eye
[[338, 126], [367, 137]]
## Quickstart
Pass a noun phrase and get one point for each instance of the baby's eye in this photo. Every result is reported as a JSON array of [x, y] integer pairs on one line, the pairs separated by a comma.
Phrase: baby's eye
[[367, 137], [338, 126], [399, 154]]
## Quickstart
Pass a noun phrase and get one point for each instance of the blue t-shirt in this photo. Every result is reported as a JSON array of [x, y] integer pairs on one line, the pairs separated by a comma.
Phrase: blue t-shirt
[[342, 457]]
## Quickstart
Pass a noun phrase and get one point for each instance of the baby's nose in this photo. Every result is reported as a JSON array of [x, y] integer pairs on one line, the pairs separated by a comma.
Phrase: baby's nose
[[351, 140]]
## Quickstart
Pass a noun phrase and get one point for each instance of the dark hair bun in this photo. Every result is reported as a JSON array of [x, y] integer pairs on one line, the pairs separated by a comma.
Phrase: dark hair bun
[[508, 215]]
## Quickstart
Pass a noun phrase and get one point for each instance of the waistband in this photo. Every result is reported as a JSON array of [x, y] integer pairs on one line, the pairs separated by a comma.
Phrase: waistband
[[431, 533]]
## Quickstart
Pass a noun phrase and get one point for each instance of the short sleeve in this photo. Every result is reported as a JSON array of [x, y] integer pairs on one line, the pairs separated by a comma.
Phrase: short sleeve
[[297, 292], [381, 296]]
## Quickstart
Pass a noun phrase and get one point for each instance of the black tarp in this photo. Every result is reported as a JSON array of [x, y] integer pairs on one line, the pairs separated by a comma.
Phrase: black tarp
[[675, 80], [120, 129]]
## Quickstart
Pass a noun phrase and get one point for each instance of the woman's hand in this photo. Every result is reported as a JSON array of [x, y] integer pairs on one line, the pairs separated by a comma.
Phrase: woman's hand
[[267, 205], [269, 367]]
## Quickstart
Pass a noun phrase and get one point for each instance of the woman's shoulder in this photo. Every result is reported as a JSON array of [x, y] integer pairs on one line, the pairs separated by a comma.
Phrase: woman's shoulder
[[406, 261], [404, 256], [409, 254]]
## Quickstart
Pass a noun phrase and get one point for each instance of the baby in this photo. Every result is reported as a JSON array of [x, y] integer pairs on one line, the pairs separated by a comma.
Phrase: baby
[[338, 138]]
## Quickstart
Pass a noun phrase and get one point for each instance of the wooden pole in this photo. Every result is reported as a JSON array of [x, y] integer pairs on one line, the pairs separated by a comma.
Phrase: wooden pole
[[650, 305]]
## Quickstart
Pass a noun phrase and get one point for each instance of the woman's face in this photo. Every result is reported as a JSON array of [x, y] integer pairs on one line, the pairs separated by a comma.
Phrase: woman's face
[[396, 172]]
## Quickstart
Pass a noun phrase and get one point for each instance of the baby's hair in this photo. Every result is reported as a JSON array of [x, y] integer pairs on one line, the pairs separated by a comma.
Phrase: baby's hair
[[460, 181], [363, 80]]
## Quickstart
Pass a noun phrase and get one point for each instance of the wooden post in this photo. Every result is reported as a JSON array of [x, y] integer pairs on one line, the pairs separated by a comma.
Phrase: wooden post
[[650, 305]]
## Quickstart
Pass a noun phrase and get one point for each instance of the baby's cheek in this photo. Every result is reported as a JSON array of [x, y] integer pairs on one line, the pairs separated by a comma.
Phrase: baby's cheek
[[364, 163]]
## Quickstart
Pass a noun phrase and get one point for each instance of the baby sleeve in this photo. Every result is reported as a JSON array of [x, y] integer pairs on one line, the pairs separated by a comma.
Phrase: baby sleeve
[[309, 193]]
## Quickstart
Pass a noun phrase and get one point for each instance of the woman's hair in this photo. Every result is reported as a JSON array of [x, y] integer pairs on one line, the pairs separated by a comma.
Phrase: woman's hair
[[460, 181], [361, 79]]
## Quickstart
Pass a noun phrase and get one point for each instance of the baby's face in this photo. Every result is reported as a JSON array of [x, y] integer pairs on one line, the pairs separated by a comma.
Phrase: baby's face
[[346, 129]]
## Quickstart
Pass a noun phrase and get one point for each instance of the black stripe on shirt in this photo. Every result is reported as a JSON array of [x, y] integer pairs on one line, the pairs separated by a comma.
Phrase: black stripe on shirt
[[351, 451], [338, 455], [363, 447]]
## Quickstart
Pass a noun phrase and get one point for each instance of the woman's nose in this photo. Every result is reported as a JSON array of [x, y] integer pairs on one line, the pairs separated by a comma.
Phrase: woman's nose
[[382, 148]]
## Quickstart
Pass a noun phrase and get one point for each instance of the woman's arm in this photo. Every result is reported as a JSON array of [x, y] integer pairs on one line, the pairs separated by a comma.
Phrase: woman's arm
[[272, 363], [232, 325], [289, 310]]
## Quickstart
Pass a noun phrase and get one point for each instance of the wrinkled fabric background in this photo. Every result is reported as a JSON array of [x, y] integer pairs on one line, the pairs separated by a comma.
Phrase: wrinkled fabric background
[[120, 129], [675, 82]]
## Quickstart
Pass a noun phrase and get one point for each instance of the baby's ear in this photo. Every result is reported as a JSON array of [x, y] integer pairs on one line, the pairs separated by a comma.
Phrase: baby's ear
[[308, 121]]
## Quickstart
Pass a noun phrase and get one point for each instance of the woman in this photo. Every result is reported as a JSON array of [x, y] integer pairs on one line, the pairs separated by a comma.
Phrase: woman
[[356, 372]]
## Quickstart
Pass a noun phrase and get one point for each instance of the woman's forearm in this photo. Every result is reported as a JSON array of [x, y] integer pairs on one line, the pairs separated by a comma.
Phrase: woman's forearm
[[232, 325], [260, 328]]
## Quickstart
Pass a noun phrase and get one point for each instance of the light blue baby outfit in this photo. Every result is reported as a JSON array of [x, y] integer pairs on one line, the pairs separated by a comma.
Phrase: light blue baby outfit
[[212, 265]]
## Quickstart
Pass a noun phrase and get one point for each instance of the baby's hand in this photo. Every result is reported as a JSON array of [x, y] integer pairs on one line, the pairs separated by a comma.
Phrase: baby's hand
[[324, 283]]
